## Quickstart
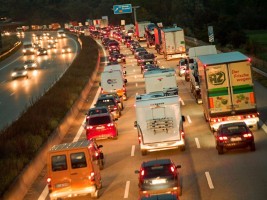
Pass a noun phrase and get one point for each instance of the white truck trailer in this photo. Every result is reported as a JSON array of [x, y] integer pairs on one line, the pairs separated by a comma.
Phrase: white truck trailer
[[161, 80], [227, 89], [173, 43], [193, 53], [140, 30], [159, 122]]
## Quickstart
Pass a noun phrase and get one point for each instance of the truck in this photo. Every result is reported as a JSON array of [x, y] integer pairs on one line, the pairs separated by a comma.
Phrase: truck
[[158, 39], [150, 36], [161, 80], [227, 89], [173, 43], [140, 30], [192, 75], [159, 122]]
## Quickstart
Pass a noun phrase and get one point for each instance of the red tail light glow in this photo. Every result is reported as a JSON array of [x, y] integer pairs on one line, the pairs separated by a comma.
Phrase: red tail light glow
[[222, 138], [89, 127], [92, 176], [172, 169], [110, 124], [48, 180], [142, 172]]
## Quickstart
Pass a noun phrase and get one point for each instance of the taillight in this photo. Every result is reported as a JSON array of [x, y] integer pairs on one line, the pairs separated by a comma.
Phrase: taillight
[[139, 139], [124, 89], [222, 138], [115, 108], [48, 180], [92, 176], [247, 135], [142, 173], [172, 169], [182, 134]]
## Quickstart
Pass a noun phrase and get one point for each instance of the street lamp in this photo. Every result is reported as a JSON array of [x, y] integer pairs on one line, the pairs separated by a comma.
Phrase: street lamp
[[135, 17]]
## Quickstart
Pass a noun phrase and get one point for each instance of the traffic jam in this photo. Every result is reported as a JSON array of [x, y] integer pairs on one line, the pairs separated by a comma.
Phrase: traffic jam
[[228, 102]]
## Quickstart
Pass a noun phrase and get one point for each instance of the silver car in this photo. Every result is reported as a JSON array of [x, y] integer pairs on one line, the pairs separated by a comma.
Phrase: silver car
[[19, 72]]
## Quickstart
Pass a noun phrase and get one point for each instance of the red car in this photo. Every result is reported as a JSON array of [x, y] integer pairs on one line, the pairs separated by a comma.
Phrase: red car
[[101, 126]]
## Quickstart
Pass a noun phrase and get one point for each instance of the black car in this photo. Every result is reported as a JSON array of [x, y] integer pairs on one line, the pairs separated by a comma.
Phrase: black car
[[160, 197], [113, 45], [144, 57], [149, 67], [112, 105], [144, 63], [118, 99], [234, 135], [41, 51], [159, 177], [95, 111], [116, 56]]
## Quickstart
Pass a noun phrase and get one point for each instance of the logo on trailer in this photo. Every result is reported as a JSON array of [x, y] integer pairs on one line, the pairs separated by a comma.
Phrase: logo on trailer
[[217, 78], [111, 81]]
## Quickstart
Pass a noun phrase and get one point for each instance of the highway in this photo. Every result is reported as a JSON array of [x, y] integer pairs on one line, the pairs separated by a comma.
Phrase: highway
[[16, 95], [205, 175]]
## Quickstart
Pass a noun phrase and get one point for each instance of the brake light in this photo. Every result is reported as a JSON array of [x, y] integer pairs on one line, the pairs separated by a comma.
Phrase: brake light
[[139, 139], [48, 180], [182, 134], [96, 154], [172, 169], [124, 89], [222, 138], [92, 176], [247, 135], [115, 108], [142, 172]]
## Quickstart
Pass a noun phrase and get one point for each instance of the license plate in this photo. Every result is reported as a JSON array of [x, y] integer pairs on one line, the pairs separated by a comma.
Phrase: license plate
[[158, 181], [100, 127], [232, 118], [61, 185], [236, 139]]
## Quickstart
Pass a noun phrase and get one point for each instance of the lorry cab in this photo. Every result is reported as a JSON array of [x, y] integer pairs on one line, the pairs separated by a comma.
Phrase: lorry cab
[[113, 81], [73, 169]]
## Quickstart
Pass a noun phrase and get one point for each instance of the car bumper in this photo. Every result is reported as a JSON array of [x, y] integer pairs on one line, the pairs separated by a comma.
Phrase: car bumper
[[159, 146]]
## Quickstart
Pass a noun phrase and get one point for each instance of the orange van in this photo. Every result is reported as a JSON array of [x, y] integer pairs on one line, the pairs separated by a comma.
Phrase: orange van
[[73, 169]]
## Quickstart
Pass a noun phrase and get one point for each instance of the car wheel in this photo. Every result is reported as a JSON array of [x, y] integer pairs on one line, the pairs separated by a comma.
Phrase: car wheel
[[252, 147], [220, 150], [143, 152]]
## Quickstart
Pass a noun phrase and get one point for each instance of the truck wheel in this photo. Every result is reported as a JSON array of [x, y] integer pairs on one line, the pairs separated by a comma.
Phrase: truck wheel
[[94, 195], [220, 150], [143, 152], [182, 148]]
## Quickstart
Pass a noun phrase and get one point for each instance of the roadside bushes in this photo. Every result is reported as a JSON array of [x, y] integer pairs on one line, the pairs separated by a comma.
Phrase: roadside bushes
[[20, 141]]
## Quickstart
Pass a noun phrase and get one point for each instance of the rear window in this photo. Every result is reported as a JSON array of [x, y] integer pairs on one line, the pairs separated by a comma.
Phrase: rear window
[[105, 102], [157, 171], [78, 160], [99, 120], [232, 130], [149, 56], [59, 163], [97, 111]]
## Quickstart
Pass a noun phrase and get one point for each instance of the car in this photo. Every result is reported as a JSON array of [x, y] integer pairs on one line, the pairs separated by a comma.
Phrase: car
[[182, 67], [41, 51], [118, 99], [111, 104], [101, 126], [51, 45], [65, 49], [160, 197], [149, 67], [30, 64], [146, 64], [95, 111], [234, 135], [116, 56], [138, 50], [158, 177], [144, 57], [113, 45], [19, 72]]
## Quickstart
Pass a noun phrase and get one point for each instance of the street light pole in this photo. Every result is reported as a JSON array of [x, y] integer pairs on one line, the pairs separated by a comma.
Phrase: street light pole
[[135, 17]]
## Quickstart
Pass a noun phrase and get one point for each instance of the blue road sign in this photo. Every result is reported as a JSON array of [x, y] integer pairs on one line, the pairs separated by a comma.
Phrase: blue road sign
[[122, 9]]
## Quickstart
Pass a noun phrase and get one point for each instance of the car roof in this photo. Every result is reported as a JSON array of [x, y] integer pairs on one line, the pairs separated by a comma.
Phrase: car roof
[[156, 162], [161, 197]]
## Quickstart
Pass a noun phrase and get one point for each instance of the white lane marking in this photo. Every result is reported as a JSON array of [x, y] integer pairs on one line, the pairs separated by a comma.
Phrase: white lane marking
[[189, 119], [45, 190], [181, 101], [197, 143], [209, 180], [133, 149], [126, 192], [12, 93], [44, 193]]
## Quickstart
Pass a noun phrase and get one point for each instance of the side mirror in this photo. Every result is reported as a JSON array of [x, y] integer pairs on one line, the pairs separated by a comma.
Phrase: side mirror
[[183, 118]]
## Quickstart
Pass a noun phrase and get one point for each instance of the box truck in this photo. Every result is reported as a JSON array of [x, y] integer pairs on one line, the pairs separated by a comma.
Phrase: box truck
[[161, 80], [173, 43], [140, 30], [192, 75], [159, 122], [227, 89]]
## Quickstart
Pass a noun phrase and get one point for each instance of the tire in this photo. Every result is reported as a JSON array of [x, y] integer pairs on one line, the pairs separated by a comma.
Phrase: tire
[[94, 195], [252, 147], [220, 150], [143, 152]]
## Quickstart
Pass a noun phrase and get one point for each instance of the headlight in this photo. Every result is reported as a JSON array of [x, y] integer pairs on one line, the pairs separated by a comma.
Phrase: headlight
[[13, 74], [24, 73], [24, 50]]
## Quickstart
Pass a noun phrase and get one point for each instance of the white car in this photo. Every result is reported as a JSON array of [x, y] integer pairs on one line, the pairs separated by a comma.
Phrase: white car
[[19, 72], [30, 64]]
